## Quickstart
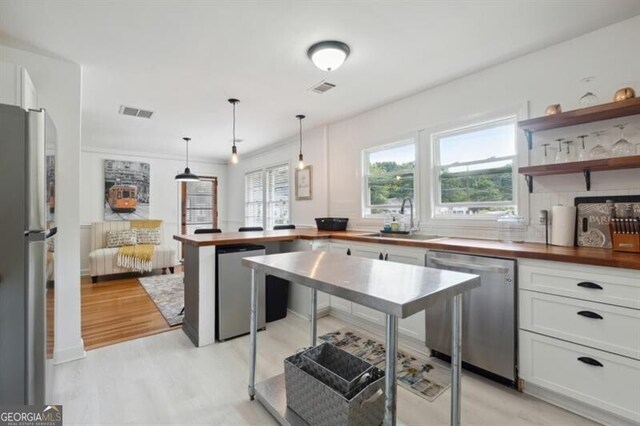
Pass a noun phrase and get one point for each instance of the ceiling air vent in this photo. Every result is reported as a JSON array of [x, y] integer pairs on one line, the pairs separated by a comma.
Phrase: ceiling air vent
[[322, 87], [135, 112]]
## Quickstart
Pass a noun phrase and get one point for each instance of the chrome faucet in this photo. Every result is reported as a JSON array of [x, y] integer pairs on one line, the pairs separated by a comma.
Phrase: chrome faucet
[[404, 200]]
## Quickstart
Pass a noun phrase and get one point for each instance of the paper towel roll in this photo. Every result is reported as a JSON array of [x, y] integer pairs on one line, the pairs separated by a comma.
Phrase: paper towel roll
[[563, 225]]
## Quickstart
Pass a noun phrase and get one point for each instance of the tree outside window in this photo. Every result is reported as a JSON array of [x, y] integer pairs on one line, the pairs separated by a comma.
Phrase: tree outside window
[[389, 177]]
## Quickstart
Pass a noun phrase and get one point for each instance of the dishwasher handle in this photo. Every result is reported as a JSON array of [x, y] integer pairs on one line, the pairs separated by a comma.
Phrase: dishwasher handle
[[472, 267]]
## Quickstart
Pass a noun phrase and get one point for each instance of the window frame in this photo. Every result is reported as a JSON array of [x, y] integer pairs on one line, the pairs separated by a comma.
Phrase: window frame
[[366, 207], [268, 203], [261, 202], [265, 198], [183, 202], [435, 169]]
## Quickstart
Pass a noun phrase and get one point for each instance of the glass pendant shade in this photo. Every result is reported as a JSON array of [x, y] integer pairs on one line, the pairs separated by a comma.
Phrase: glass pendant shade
[[234, 155]]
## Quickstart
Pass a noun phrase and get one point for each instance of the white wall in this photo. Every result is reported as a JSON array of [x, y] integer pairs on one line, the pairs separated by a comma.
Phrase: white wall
[[164, 200], [548, 76], [303, 212], [59, 85]]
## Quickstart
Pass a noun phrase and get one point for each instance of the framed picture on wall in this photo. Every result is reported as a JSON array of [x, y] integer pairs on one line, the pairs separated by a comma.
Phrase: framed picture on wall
[[126, 190], [304, 184]]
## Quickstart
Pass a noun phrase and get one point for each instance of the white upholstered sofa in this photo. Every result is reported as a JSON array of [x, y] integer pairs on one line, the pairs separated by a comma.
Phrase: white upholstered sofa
[[102, 260]]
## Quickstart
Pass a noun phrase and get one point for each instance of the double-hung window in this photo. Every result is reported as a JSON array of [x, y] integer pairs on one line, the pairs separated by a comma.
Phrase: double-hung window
[[277, 201], [473, 170], [254, 198], [267, 197], [389, 177]]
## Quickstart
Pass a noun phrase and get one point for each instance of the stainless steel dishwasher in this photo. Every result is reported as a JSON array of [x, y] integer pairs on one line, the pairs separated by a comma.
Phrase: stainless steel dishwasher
[[233, 290], [488, 316]]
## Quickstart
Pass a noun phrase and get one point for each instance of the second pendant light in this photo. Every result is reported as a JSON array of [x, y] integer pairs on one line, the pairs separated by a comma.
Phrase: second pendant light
[[300, 117], [234, 149]]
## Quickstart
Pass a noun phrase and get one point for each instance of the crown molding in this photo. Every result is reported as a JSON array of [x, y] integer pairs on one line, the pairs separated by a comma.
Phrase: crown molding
[[97, 150]]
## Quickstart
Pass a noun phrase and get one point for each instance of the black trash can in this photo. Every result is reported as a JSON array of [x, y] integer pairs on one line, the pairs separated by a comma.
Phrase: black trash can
[[277, 296]]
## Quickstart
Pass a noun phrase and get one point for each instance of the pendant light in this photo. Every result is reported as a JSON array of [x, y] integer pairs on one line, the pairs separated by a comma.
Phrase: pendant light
[[328, 55], [187, 176], [234, 149], [300, 117]]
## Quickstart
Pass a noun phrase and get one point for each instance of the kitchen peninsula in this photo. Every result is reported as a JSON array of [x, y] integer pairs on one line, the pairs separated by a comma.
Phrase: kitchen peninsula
[[200, 258]]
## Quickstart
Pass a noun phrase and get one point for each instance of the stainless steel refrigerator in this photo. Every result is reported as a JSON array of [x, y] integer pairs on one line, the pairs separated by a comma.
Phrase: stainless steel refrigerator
[[27, 227]]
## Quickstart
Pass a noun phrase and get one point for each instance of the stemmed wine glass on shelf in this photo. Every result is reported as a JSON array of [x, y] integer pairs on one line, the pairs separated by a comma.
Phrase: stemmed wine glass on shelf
[[622, 147], [598, 151], [582, 149]]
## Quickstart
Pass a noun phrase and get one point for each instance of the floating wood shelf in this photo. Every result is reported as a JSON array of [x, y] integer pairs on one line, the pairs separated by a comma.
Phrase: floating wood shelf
[[580, 116], [584, 167]]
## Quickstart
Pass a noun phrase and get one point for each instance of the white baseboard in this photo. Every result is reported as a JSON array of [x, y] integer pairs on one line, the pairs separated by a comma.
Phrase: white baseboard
[[69, 354], [322, 312], [85, 272], [578, 407]]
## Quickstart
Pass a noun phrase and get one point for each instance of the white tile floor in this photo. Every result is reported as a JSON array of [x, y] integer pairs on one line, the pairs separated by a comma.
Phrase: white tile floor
[[164, 379]]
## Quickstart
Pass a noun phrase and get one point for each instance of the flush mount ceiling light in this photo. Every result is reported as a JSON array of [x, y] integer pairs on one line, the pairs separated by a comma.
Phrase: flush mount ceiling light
[[328, 55], [234, 149], [300, 117], [187, 176]]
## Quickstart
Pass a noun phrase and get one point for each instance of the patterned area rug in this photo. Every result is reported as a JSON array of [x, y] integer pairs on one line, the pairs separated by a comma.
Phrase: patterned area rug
[[167, 292], [425, 376]]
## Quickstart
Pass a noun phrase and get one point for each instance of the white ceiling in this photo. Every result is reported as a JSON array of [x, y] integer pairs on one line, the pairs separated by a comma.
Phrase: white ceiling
[[183, 59]]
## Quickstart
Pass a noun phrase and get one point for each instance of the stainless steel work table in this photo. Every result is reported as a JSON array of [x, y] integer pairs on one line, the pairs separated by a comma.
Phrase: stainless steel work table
[[396, 289]]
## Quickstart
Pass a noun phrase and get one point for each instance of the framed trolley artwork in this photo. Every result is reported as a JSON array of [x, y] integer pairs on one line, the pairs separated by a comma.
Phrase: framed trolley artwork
[[126, 190]]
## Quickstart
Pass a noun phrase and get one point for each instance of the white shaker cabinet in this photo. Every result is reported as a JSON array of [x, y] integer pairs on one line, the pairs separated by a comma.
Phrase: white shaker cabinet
[[370, 251], [300, 296], [580, 338], [413, 326]]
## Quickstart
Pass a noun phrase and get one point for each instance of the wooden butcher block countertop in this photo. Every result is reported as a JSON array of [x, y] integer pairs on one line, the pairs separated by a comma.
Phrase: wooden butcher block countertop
[[582, 255]]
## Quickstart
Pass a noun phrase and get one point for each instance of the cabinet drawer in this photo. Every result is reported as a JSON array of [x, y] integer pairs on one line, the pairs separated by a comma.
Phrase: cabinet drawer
[[601, 326], [612, 384], [598, 284]]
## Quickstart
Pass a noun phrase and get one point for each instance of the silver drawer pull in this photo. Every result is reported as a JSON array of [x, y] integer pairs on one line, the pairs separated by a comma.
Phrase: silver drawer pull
[[472, 267]]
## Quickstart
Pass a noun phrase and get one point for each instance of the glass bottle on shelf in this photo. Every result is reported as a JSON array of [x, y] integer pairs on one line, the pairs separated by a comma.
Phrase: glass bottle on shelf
[[622, 147], [599, 151], [583, 154], [588, 99]]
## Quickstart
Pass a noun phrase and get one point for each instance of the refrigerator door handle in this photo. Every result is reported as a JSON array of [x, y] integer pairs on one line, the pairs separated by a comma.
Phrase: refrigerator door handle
[[36, 321], [36, 172]]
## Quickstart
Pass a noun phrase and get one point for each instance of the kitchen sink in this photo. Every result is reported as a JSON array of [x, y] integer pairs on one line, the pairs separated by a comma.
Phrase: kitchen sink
[[419, 237]]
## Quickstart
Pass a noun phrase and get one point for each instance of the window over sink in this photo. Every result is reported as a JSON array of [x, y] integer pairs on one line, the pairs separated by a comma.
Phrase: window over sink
[[389, 176], [474, 171]]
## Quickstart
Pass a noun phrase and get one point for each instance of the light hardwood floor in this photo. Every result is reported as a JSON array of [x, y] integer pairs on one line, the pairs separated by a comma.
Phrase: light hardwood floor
[[164, 379], [113, 311]]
